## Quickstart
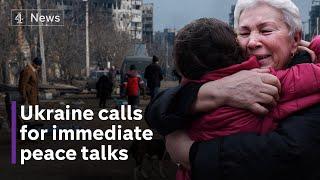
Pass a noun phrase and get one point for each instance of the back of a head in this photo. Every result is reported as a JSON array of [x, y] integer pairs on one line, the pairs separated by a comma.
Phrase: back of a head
[[37, 61], [133, 67], [205, 45], [105, 78], [155, 59]]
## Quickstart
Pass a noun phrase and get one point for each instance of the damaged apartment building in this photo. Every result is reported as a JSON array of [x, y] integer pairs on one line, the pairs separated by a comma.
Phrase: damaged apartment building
[[126, 15], [314, 21]]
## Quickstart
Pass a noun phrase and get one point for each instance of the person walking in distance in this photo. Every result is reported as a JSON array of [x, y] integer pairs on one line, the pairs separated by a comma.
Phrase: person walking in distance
[[153, 75], [104, 88]]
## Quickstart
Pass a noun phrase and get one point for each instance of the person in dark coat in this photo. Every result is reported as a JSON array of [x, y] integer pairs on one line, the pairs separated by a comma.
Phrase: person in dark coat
[[104, 88], [153, 75]]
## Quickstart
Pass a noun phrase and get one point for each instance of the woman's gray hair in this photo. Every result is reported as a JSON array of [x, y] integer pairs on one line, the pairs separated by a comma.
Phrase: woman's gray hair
[[289, 10]]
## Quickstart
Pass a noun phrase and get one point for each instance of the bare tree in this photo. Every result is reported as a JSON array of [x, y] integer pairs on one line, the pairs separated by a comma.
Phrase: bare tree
[[65, 45], [14, 47], [107, 43]]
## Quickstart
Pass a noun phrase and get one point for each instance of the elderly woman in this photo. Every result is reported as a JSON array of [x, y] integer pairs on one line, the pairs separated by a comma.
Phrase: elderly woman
[[270, 30]]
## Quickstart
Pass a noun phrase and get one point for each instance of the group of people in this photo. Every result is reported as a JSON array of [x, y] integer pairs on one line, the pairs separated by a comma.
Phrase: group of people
[[133, 83], [29, 85], [248, 103]]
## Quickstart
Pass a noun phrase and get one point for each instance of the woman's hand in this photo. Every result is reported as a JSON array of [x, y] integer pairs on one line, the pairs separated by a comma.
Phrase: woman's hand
[[304, 46], [311, 53], [178, 145], [304, 43], [254, 90]]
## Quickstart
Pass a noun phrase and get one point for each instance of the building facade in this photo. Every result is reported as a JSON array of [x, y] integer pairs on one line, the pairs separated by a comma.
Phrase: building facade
[[231, 16], [147, 23], [165, 42], [127, 16], [314, 21]]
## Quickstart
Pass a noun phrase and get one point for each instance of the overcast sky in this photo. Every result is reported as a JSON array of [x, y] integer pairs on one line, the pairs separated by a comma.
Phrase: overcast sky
[[177, 13]]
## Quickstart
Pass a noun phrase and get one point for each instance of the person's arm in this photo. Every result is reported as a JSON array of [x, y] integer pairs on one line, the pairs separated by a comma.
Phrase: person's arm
[[300, 85], [315, 47], [147, 73], [244, 90], [169, 109], [160, 73], [298, 81], [291, 151], [141, 86], [98, 84], [173, 109]]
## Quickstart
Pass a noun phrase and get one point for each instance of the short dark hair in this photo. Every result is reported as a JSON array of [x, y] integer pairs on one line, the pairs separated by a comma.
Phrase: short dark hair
[[155, 59], [205, 45], [37, 61], [133, 67]]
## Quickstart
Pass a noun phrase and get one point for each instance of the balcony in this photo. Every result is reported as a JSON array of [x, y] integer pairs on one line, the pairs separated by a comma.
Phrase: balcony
[[135, 2], [148, 29], [136, 19], [136, 28]]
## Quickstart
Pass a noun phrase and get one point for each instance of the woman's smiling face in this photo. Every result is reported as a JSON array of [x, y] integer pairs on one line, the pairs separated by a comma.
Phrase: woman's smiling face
[[263, 33]]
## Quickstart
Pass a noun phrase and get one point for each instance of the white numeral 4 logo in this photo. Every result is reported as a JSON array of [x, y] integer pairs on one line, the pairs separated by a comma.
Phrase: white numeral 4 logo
[[19, 18]]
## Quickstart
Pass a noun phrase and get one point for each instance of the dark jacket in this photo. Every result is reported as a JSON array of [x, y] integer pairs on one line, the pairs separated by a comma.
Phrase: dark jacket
[[292, 151], [104, 87], [153, 75]]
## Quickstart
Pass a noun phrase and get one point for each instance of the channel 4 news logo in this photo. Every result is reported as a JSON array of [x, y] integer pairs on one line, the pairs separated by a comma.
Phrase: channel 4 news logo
[[35, 17]]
